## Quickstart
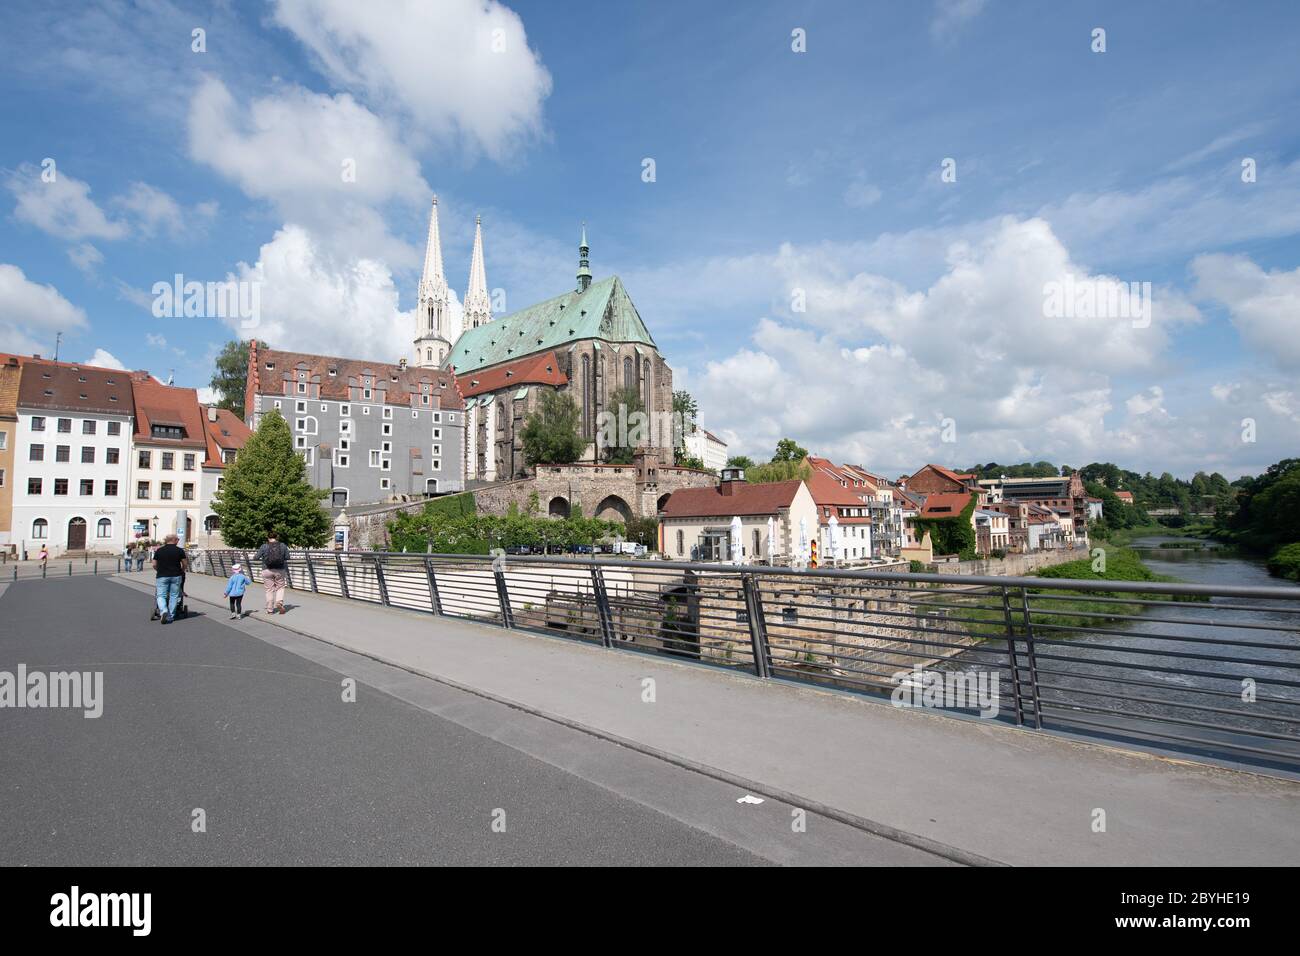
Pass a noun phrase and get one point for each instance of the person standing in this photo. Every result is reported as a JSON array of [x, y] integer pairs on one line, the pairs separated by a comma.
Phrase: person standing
[[274, 556], [169, 562], [140, 550], [44, 557]]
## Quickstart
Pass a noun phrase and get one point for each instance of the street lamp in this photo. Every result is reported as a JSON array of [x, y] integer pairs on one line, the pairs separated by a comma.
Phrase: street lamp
[[155, 527]]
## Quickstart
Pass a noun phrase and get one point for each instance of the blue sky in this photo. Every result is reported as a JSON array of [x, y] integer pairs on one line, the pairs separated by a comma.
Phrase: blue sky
[[778, 175]]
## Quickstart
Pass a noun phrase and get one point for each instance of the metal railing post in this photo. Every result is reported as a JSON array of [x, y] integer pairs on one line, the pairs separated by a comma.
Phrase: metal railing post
[[1032, 659], [96, 568], [435, 599], [757, 626], [311, 572], [602, 607], [343, 577], [1011, 652], [503, 596], [379, 577]]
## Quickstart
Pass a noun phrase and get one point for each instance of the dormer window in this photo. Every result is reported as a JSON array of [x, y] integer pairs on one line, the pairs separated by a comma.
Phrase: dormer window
[[333, 372], [270, 366]]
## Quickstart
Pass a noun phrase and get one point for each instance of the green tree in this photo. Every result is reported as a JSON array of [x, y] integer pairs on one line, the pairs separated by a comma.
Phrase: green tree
[[685, 406], [740, 461], [266, 490], [550, 434], [624, 433], [788, 450], [779, 471], [231, 377]]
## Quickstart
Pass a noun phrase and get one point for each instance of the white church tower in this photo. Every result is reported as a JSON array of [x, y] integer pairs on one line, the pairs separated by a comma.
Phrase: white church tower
[[478, 305], [433, 332]]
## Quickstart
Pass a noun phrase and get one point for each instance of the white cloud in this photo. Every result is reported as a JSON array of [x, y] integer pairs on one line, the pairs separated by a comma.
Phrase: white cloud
[[157, 341], [314, 302], [862, 194], [1264, 306], [31, 314], [86, 258], [63, 208], [104, 359], [459, 69], [951, 15], [153, 208]]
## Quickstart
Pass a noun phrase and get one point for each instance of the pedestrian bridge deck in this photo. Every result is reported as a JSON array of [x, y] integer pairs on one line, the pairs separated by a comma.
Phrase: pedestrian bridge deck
[[1005, 794]]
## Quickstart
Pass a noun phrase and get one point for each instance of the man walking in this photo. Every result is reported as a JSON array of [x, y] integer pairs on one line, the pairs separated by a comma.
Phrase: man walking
[[274, 556], [169, 561], [140, 550]]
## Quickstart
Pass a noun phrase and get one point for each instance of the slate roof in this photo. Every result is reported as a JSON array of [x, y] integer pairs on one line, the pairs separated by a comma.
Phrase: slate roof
[[604, 311], [75, 388]]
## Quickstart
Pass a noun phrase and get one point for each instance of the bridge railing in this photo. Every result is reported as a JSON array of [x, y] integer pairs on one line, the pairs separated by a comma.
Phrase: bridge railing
[[1199, 669]]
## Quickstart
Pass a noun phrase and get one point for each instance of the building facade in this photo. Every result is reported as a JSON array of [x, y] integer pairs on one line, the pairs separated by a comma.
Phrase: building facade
[[72, 442], [225, 434], [368, 431], [778, 522]]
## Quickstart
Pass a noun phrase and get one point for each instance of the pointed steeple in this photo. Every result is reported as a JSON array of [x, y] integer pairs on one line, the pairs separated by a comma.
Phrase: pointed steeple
[[432, 335], [584, 266], [478, 306]]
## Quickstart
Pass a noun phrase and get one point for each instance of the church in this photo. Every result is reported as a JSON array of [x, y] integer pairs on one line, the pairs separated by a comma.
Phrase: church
[[589, 342]]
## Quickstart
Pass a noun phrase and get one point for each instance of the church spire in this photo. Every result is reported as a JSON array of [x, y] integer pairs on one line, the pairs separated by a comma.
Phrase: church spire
[[478, 306], [432, 339], [584, 267]]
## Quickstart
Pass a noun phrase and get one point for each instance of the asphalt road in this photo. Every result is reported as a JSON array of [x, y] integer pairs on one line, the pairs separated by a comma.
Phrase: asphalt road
[[248, 724]]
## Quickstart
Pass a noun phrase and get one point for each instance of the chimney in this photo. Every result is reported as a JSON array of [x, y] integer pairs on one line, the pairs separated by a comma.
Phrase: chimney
[[212, 413], [731, 478]]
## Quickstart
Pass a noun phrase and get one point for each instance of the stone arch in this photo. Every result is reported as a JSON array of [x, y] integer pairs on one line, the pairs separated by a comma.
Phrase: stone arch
[[613, 508], [559, 507]]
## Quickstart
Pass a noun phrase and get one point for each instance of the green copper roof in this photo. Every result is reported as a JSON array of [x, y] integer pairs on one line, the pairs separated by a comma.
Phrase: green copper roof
[[603, 311]]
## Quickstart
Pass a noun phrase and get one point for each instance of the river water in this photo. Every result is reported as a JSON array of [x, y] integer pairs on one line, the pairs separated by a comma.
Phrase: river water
[[1098, 659]]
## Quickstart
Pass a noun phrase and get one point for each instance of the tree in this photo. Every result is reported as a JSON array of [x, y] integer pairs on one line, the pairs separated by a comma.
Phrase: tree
[[550, 434], [265, 490], [623, 433], [231, 376], [740, 461], [788, 450], [685, 406]]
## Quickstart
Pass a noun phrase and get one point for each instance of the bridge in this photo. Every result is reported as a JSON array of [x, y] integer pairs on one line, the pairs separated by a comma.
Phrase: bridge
[[546, 710]]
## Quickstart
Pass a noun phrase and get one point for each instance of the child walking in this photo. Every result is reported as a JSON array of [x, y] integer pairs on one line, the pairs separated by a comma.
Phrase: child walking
[[235, 591]]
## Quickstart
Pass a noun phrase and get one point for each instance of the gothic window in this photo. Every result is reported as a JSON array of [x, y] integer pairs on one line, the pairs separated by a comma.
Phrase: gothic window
[[588, 396], [645, 387], [628, 380]]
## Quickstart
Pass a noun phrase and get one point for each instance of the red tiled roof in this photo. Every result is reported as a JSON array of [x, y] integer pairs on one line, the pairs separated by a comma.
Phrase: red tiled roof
[[398, 382], [227, 432], [540, 369], [945, 505], [745, 499], [159, 404], [60, 387], [1124, 496]]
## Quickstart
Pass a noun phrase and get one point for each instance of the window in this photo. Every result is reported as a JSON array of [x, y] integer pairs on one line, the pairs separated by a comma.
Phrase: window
[[33, 486], [104, 528], [115, 428], [324, 407], [65, 425], [415, 412], [345, 411], [388, 428], [299, 442], [681, 541], [227, 455], [301, 407], [387, 447], [4, 440], [142, 489], [2, 477], [187, 491], [386, 465], [341, 461], [437, 450], [388, 413], [111, 456], [374, 458], [88, 426], [62, 453], [36, 453], [168, 461], [60, 486], [165, 491], [345, 428], [437, 465], [143, 459], [277, 403], [220, 482], [309, 456], [38, 423], [365, 409], [437, 433], [383, 483], [40, 528], [189, 462], [302, 388], [87, 486], [87, 454], [110, 488], [365, 393], [451, 417], [437, 417], [344, 444]]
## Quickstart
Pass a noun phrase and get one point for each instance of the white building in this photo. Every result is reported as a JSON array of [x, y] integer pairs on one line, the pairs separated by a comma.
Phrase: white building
[[707, 447], [167, 454], [72, 446]]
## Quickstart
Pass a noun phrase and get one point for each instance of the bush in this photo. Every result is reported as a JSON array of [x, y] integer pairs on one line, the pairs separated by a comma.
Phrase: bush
[[1285, 562], [916, 567]]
